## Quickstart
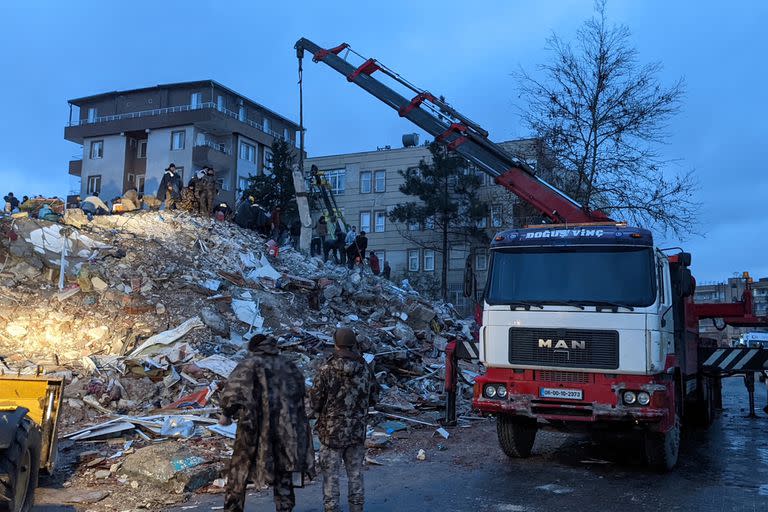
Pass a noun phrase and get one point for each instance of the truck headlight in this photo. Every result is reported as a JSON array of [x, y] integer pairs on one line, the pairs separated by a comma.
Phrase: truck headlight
[[630, 397], [490, 391], [643, 398], [501, 391]]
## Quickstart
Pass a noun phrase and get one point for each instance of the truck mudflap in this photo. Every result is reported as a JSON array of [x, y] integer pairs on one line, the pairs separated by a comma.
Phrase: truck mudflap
[[599, 397]]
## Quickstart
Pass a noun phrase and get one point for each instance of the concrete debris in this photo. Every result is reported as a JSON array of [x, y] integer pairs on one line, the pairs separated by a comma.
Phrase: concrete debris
[[422, 455], [155, 312]]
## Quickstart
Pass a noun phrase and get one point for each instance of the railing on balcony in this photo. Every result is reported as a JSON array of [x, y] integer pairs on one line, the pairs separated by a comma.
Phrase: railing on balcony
[[170, 110], [218, 146]]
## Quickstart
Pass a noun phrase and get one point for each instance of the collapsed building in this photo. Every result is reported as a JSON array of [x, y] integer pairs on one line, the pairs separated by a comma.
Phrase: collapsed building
[[146, 314]]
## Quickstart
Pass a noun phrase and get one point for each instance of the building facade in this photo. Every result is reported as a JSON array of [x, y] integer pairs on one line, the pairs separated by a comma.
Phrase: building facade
[[130, 137], [366, 186], [730, 291]]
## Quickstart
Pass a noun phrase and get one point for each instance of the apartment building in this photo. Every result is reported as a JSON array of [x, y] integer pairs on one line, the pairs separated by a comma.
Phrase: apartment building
[[128, 138], [730, 290], [367, 186]]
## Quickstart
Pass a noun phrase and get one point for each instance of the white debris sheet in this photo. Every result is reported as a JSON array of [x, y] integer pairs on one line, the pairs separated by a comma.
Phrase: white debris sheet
[[50, 238], [169, 336], [218, 364]]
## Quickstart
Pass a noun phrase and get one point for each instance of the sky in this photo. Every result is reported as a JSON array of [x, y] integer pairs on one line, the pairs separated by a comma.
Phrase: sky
[[467, 51]]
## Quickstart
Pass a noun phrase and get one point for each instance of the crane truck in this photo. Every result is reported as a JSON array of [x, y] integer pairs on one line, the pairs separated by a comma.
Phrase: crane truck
[[586, 324]]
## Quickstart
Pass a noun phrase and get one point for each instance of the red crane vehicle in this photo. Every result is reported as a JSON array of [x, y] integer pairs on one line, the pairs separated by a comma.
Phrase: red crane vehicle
[[585, 325]]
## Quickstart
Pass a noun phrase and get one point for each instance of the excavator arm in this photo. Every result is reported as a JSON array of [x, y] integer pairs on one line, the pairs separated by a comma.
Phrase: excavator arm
[[459, 133]]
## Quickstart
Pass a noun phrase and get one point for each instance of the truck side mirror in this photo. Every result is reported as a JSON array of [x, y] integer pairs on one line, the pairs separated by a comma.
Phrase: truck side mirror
[[684, 258], [469, 277]]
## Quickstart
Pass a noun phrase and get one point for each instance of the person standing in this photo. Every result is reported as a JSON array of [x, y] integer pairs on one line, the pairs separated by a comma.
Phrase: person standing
[[206, 189], [345, 387], [170, 187], [322, 233], [356, 251], [387, 272], [339, 254], [351, 235], [11, 202], [373, 261], [273, 443]]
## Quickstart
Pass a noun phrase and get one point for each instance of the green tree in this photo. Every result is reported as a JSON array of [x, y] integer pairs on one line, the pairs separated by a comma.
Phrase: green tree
[[448, 206], [275, 188]]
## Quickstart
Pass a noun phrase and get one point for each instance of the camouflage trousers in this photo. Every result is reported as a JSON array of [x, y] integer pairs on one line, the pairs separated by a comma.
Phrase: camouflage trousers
[[330, 465], [170, 202], [237, 480], [206, 203]]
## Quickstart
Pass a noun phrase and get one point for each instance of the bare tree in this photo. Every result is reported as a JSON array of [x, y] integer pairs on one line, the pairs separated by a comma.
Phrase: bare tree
[[603, 115]]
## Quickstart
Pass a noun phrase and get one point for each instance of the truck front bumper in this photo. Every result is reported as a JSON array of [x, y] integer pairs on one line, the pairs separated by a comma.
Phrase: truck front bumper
[[601, 401]]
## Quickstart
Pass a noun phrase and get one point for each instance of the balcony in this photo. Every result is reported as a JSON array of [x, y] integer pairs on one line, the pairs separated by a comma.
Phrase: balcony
[[217, 155], [76, 167], [159, 117]]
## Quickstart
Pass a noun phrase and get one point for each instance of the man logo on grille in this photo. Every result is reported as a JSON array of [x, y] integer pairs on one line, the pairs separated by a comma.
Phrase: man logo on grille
[[563, 344]]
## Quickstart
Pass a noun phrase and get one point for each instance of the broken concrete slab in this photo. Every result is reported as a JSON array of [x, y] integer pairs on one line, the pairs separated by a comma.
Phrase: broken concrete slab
[[171, 466], [217, 323]]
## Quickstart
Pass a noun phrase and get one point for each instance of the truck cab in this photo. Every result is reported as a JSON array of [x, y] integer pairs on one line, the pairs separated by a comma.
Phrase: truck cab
[[578, 332]]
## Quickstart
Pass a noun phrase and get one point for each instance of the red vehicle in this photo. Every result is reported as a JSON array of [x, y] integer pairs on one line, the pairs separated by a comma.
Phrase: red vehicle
[[585, 323]]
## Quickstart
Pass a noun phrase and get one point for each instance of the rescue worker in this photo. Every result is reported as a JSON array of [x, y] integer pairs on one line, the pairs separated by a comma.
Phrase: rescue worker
[[170, 187], [189, 200], [11, 202], [273, 443], [345, 387], [387, 272], [373, 261], [206, 189]]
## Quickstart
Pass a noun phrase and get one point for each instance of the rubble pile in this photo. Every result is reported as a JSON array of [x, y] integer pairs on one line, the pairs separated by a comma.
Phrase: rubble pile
[[152, 312]]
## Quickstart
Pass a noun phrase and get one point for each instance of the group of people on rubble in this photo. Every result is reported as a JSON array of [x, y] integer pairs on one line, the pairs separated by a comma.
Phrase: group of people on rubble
[[349, 248], [273, 445], [199, 195]]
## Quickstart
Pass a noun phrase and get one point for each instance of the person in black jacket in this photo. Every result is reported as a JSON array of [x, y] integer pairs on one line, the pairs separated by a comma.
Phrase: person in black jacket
[[356, 250], [11, 202], [170, 187]]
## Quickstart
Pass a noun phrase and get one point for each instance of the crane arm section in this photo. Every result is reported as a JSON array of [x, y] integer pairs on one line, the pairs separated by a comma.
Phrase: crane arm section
[[458, 133]]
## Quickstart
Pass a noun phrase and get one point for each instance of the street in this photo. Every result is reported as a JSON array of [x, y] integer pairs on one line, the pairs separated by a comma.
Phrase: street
[[725, 468]]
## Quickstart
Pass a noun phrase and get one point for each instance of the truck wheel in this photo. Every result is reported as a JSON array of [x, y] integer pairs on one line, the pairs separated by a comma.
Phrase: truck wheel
[[662, 450], [516, 435], [19, 466]]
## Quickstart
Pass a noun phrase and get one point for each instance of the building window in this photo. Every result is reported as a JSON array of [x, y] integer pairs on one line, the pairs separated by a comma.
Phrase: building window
[[336, 179], [97, 149], [457, 257], [496, 220], [365, 182], [481, 260], [247, 152], [429, 223], [242, 183], [414, 226], [365, 221], [92, 114], [413, 260], [429, 260], [380, 181], [287, 134], [93, 185], [141, 152], [136, 181], [241, 113], [180, 172], [268, 165], [177, 140], [220, 103], [381, 222], [457, 298], [266, 125], [196, 100]]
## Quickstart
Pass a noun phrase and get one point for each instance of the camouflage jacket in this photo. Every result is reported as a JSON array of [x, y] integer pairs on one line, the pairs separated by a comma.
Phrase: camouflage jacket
[[265, 392], [207, 184], [344, 388]]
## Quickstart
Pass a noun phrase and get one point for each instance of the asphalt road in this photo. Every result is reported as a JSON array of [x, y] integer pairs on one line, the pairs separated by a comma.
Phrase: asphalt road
[[722, 469]]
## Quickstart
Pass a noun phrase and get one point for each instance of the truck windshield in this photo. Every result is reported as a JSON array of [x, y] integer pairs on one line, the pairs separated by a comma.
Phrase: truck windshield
[[576, 275]]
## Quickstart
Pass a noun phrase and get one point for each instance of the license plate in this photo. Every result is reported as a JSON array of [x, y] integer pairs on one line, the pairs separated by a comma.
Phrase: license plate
[[567, 394]]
